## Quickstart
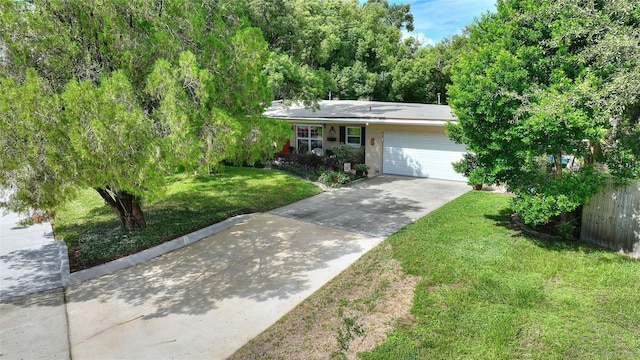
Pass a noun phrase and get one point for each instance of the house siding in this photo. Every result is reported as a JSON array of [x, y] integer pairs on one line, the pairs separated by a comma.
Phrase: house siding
[[340, 136]]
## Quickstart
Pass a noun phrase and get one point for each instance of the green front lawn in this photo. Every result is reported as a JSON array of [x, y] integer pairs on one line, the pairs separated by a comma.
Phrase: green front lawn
[[488, 292], [94, 236]]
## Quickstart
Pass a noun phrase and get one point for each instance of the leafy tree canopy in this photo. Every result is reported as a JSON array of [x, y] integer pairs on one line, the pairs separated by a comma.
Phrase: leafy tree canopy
[[424, 73], [544, 79], [114, 95], [327, 46]]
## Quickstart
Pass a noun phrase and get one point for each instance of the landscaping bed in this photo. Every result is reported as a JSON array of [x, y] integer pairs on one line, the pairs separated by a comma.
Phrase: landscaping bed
[[94, 236], [327, 169]]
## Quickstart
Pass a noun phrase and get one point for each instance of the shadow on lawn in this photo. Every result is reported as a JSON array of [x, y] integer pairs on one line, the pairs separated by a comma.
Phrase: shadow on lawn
[[572, 245], [502, 219]]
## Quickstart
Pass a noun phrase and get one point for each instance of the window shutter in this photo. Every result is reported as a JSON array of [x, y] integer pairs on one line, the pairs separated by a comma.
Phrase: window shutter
[[343, 135], [362, 136]]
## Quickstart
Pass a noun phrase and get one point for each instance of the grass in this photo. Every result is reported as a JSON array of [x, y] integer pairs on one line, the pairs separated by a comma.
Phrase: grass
[[482, 291], [489, 292], [94, 236]]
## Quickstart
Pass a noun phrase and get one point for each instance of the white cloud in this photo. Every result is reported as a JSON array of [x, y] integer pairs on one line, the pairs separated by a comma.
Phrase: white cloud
[[420, 37]]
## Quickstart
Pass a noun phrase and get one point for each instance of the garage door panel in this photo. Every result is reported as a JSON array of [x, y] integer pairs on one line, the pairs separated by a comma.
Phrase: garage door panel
[[421, 155]]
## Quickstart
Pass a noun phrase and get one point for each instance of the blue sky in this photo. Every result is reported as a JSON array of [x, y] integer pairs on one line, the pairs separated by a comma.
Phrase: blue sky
[[437, 19]]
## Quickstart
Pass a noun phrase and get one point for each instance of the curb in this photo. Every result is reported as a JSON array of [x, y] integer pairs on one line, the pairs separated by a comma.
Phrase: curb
[[69, 279], [64, 261]]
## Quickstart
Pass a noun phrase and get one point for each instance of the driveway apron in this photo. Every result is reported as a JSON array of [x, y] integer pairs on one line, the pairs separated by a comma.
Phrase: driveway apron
[[208, 299]]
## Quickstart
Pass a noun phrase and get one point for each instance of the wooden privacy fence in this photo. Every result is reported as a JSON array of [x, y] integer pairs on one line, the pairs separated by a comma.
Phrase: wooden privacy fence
[[612, 219]]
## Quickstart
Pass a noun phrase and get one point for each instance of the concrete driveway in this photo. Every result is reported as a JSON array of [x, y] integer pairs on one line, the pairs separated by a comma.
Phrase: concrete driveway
[[376, 207], [206, 300]]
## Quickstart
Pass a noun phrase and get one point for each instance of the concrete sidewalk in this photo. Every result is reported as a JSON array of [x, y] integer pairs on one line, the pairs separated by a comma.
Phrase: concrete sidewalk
[[34, 326], [33, 321], [29, 257], [206, 300]]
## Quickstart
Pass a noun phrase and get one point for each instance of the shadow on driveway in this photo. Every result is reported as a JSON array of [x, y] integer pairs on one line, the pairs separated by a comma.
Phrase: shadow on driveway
[[206, 300], [378, 206], [257, 260]]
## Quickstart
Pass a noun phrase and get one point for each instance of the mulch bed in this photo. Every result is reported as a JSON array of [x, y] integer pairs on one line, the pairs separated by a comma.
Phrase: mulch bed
[[547, 231]]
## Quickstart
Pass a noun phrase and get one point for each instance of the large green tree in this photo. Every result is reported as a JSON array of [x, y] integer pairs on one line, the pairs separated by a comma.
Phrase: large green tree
[[544, 79], [423, 75], [114, 95], [337, 46]]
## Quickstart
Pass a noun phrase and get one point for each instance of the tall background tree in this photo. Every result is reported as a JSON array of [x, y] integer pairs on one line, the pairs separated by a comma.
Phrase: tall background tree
[[423, 75], [114, 95], [330, 46], [545, 79]]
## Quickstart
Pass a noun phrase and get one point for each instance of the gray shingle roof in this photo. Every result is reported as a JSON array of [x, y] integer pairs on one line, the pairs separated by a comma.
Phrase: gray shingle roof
[[374, 112]]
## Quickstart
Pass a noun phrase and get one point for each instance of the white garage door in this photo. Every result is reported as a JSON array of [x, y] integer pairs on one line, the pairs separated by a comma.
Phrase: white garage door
[[421, 155]]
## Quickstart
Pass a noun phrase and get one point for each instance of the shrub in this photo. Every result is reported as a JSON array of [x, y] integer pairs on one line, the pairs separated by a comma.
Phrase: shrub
[[344, 153], [334, 178], [305, 161], [294, 170], [466, 165], [361, 167], [469, 167]]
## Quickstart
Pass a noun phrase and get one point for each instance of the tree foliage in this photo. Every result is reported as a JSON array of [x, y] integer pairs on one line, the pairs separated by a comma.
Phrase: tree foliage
[[545, 79], [350, 50], [421, 75], [114, 95], [336, 46]]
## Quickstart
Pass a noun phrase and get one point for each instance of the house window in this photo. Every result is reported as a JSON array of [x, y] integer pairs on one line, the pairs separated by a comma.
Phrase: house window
[[354, 136], [309, 137]]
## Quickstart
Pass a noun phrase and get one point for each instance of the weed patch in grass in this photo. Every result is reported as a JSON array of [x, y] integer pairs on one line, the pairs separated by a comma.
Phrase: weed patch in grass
[[349, 315]]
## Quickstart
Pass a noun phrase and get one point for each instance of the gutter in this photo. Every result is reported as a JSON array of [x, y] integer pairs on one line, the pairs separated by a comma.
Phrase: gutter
[[365, 121]]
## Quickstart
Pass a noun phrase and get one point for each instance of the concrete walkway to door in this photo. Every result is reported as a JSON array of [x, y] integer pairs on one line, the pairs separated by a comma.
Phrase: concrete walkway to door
[[208, 299]]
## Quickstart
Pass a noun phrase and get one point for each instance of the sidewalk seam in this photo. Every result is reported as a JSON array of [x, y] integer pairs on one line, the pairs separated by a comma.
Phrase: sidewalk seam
[[66, 315]]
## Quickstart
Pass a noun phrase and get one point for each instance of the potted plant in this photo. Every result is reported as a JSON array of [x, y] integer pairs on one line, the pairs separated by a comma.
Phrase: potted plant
[[476, 179], [362, 170], [469, 167]]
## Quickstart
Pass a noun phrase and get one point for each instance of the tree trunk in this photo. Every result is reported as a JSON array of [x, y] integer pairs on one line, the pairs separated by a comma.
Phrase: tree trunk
[[558, 165], [594, 153], [564, 216], [126, 207]]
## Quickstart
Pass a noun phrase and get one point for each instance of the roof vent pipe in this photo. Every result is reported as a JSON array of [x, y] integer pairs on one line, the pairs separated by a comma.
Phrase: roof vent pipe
[[438, 98]]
